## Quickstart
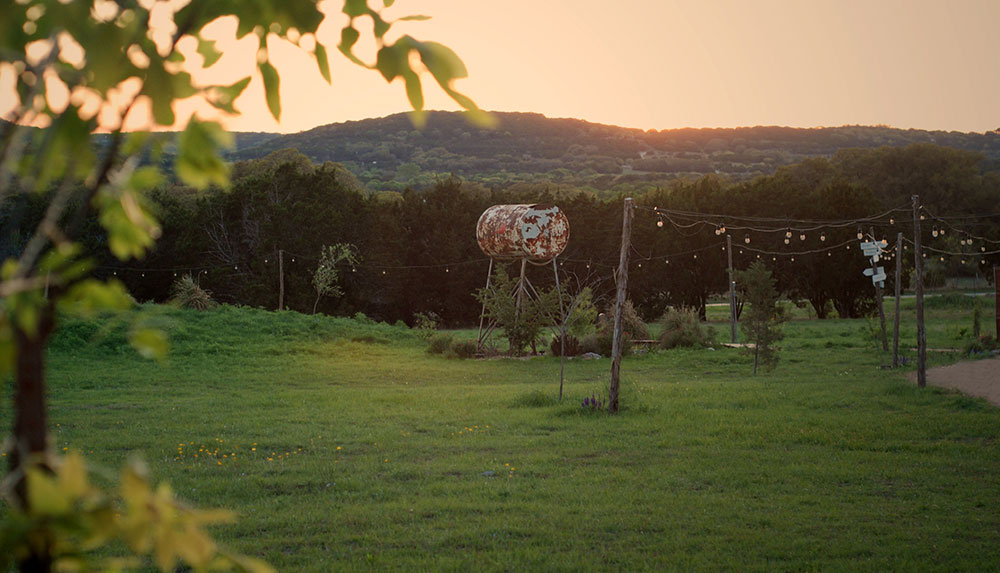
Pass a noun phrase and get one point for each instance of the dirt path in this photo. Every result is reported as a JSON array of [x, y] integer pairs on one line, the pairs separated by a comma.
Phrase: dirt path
[[974, 377]]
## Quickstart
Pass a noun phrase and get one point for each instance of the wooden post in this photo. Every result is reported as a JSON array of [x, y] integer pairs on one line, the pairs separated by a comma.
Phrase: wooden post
[[732, 291], [482, 314], [918, 265], [617, 340], [878, 298], [562, 330], [520, 290], [281, 279], [996, 287], [895, 314]]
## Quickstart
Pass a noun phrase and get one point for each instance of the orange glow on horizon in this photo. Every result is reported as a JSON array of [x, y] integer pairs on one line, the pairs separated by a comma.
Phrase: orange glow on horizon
[[655, 64]]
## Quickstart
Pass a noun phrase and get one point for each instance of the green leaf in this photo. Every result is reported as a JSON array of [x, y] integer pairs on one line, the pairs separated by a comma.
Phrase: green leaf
[[323, 62], [271, 84], [348, 37], [355, 8], [388, 3], [208, 51], [125, 214], [414, 92], [149, 343], [381, 26], [391, 60], [224, 97], [443, 63], [198, 163], [45, 497], [89, 297], [414, 18]]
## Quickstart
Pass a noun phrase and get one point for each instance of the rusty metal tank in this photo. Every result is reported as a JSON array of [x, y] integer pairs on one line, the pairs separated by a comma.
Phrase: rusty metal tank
[[534, 232]]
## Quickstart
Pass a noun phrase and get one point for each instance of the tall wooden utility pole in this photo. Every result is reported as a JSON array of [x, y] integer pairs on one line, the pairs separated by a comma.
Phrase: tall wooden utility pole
[[895, 314], [281, 279], [996, 287], [878, 296], [617, 341], [918, 265], [732, 291]]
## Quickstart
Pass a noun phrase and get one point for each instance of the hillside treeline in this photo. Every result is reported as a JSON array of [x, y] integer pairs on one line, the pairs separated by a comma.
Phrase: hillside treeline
[[389, 154], [418, 252]]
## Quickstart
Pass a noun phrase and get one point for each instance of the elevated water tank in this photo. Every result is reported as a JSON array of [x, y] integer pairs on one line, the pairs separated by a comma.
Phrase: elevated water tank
[[535, 232]]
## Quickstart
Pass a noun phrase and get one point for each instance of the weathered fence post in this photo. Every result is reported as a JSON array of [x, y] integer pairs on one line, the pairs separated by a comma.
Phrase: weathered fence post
[[281, 279], [732, 291], [617, 340], [895, 314], [918, 265]]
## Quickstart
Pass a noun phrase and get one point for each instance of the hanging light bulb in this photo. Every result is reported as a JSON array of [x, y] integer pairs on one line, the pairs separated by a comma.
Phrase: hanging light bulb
[[787, 240], [788, 234], [861, 235], [793, 259], [892, 220], [696, 256], [722, 229], [746, 239], [963, 261], [802, 236], [934, 231], [659, 222], [942, 230], [983, 248], [822, 236]]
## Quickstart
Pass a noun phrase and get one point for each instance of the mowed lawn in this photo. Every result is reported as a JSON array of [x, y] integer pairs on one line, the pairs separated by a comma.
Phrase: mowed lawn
[[344, 445]]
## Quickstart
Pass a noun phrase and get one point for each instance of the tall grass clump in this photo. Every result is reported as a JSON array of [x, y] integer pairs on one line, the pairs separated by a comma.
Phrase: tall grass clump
[[186, 293], [682, 328]]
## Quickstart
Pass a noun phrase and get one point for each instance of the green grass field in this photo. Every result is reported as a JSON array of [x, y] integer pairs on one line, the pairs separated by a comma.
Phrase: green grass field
[[344, 445]]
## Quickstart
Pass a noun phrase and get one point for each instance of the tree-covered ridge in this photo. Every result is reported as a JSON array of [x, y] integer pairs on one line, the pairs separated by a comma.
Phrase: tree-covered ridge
[[391, 154]]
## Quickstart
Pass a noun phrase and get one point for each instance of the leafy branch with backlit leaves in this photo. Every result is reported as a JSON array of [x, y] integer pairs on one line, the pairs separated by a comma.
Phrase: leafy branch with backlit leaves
[[83, 66]]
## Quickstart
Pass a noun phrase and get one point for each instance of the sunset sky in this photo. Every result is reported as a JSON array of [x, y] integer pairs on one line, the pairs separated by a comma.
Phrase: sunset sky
[[675, 63]]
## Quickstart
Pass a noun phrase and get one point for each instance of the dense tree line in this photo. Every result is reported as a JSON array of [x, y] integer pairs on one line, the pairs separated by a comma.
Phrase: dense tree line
[[418, 252]]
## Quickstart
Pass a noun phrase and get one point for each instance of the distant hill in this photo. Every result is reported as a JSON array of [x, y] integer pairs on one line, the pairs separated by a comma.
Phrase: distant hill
[[390, 153]]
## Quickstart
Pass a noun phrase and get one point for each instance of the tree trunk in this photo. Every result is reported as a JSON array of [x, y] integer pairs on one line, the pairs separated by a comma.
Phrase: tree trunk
[[30, 436]]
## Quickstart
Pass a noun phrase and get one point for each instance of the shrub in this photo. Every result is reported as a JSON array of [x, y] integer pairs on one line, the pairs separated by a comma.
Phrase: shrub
[[981, 344], [600, 343], [573, 346], [681, 327], [632, 324], [186, 293], [465, 348], [441, 343], [426, 324]]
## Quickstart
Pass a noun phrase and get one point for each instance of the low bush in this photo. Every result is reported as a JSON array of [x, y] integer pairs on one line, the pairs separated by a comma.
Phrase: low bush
[[681, 327], [632, 323], [465, 348], [186, 293], [573, 346], [600, 343], [440, 344]]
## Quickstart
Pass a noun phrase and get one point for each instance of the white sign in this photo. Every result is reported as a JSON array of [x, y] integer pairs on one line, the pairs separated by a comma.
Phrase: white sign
[[873, 249], [877, 274]]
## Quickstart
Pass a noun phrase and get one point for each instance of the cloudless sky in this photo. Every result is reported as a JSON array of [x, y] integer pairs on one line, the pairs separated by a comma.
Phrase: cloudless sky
[[674, 63]]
